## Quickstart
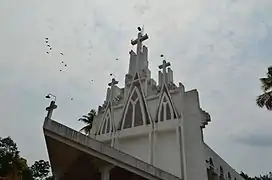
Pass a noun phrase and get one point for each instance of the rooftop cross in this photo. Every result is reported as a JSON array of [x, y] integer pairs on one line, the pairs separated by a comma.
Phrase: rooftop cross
[[139, 41], [163, 67], [113, 82], [50, 109]]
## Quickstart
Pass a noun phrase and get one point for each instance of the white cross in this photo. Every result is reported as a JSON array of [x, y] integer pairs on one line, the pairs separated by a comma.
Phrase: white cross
[[139, 41], [163, 67]]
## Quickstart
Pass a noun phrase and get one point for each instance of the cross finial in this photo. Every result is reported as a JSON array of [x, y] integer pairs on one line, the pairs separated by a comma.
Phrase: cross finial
[[139, 41], [163, 67], [113, 82], [50, 109]]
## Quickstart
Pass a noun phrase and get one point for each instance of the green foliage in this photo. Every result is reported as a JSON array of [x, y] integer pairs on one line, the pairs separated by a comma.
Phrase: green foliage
[[40, 169], [12, 162], [265, 99], [261, 177], [88, 120]]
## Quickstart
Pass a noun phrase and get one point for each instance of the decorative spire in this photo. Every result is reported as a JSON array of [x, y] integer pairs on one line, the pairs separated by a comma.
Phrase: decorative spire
[[112, 84], [138, 42], [164, 73]]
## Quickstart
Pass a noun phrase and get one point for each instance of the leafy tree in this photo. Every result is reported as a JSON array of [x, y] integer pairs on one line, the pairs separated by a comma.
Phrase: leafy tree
[[88, 120], [265, 99], [11, 163], [40, 169]]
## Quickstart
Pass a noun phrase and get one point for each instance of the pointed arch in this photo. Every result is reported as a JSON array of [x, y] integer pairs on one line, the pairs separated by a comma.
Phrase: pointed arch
[[221, 171], [106, 125], [135, 111], [166, 109]]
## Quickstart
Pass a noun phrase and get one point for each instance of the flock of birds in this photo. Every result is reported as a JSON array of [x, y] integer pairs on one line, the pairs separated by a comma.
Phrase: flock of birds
[[64, 65]]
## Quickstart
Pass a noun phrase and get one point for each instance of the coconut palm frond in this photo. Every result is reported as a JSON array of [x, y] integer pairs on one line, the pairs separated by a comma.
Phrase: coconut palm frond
[[86, 129], [268, 102], [261, 100], [84, 120], [88, 120], [265, 100], [266, 83]]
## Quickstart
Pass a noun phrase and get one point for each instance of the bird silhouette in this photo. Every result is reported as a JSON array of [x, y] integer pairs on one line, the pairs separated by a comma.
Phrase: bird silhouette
[[61, 61], [161, 55], [139, 29], [50, 48], [65, 65], [46, 41], [61, 53], [110, 74], [47, 52], [48, 45], [46, 38]]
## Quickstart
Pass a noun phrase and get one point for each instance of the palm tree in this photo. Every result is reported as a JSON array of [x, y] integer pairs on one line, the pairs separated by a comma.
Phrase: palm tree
[[265, 99], [88, 120]]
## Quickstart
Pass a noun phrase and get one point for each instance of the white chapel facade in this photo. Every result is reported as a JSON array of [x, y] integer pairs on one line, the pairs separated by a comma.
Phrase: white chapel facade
[[144, 130], [160, 124]]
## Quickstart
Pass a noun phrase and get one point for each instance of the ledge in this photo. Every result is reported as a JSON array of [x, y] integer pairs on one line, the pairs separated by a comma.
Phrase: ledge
[[73, 136]]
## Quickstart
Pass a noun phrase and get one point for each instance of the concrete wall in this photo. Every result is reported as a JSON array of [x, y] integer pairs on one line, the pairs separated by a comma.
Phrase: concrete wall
[[194, 150], [167, 152]]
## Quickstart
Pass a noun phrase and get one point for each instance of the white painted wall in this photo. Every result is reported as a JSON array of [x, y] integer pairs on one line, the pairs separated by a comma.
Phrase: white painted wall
[[194, 150], [167, 152]]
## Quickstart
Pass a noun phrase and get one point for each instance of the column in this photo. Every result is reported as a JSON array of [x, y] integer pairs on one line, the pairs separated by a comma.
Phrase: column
[[105, 172]]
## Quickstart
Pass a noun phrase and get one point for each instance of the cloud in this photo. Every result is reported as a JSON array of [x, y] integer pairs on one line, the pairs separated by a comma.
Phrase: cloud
[[255, 139], [220, 48]]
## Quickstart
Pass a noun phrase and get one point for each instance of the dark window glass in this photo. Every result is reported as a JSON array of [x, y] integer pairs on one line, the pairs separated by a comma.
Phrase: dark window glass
[[138, 115], [162, 113], [168, 112], [128, 118]]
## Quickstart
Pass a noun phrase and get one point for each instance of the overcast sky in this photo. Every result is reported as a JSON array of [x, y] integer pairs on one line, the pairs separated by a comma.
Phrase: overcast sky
[[220, 48]]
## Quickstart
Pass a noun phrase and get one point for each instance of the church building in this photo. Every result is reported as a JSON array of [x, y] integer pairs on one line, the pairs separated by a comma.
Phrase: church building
[[144, 130]]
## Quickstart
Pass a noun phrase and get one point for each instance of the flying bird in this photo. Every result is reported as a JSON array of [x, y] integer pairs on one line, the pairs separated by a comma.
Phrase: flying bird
[[161, 55], [47, 52], [48, 45], [46, 41], [139, 28], [110, 74], [116, 59], [46, 38], [50, 48], [72, 99], [65, 65], [61, 53], [61, 61], [60, 70]]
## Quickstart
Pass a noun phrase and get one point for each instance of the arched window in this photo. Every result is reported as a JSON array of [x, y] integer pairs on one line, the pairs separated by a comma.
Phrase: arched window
[[221, 171], [135, 113], [229, 176], [166, 109], [211, 164]]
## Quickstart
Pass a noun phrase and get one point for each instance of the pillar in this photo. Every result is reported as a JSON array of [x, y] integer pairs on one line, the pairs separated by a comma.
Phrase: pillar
[[105, 172]]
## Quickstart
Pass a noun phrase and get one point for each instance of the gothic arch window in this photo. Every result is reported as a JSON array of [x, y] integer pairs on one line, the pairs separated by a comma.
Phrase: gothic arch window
[[229, 176], [211, 165], [135, 112], [221, 171], [166, 110], [106, 125]]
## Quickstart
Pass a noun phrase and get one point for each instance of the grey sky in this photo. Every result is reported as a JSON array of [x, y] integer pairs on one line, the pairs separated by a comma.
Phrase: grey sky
[[220, 48]]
